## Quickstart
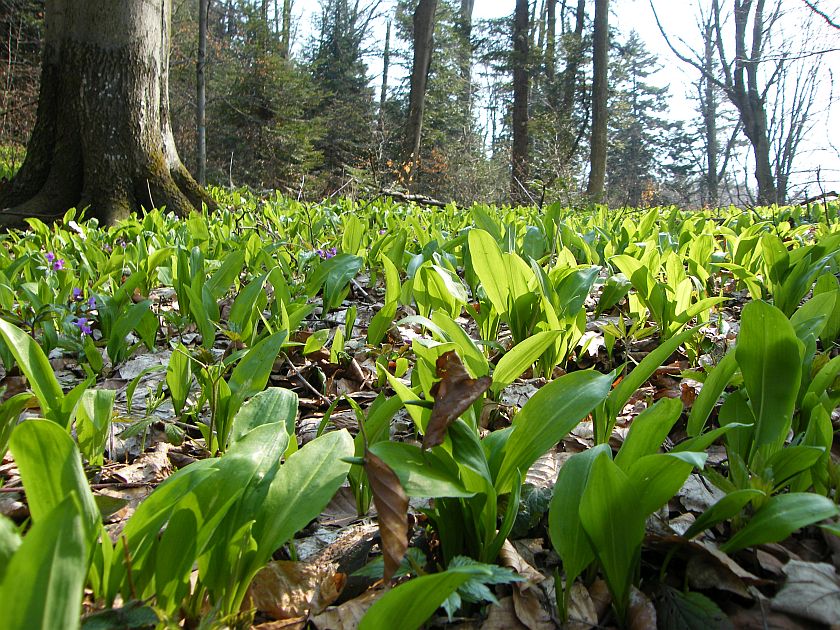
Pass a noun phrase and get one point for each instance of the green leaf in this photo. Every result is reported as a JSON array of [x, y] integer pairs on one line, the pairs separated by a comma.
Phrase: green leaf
[[648, 431], [421, 473], [659, 477], [10, 410], [780, 517], [409, 605], [251, 373], [689, 611], [179, 377], [9, 543], [769, 355], [125, 323], [725, 509], [713, 387], [790, 461], [548, 416], [521, 357], [44, 582], [489, 267], [274, 404], [93, 420], [35, 442], [564, 525], [642, 372], [38, 371], [609, 512]]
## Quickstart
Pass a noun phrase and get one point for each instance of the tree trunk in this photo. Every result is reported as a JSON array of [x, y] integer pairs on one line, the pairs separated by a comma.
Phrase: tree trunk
[[465, 48], [383, 94], [710, 119], [286, 30], [519, 147], [551, 43], [201, 93], [598, 145], [102, 136], [424, 32]]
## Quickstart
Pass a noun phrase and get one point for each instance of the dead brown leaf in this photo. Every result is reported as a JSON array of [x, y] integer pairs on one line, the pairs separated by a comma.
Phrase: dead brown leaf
[[582, 613], [348, 615], [454, 394], [510, 557], [601, 598], [811, 591], [531, 610], [392, 507], [641, 613], [290, 590], [503, 617]]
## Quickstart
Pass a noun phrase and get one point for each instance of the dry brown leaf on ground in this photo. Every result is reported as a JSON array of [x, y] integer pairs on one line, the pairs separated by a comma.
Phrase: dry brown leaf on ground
[[601, 597], [289, 590], [502, 616], [531, 608], [348, 615], [392, 507], [151, 467], [454, 394], [812, 591], [510, 557], [641, 614], [582, 613]]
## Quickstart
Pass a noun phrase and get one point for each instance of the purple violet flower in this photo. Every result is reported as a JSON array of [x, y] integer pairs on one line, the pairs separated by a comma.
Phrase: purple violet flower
[[83, 326], [77, 294], [91, 302], [50, 257], [332, 251], [58, 265]]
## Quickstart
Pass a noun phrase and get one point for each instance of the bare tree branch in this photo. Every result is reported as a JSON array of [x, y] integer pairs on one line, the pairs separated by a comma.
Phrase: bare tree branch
[[813, 6]]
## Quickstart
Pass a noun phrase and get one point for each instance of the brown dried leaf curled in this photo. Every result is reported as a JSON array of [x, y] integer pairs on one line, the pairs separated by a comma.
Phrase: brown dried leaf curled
[[454, 394], [392, 506]]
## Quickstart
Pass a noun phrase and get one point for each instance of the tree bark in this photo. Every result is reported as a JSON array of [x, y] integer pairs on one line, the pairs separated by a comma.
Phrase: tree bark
[[102, 137], [464, 29], [550, 42], [383, 94], [286, 29], [201, 93], [598, 145], [424, 32], [710, 119], [519, 146]]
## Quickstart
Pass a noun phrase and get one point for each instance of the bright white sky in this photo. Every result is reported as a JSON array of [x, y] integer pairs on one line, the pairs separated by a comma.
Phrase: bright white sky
[[821, 149]]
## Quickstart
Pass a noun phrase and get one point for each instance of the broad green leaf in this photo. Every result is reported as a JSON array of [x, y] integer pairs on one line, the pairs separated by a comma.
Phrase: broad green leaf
[[274, 404], [226, 274], [44, 581], [179, 377], [725, 509], [659, 477], [10, 410], [780, 517], [421, 473], [117, 347], [564, 526], [9, 543], [489, 267], [716, 381], [648, 431], [548, 416], [35, 442], [521, 357], [790, 461], [38, 371], [93, 420], [769, 355], [411, 604], [609, 512], [251, 373]]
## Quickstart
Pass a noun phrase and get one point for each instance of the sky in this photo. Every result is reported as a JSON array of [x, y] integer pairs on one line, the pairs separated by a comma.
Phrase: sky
[[821, 148]]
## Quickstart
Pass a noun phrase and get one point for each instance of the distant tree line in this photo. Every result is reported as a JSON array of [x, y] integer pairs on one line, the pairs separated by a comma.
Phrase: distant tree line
[[554, 102]]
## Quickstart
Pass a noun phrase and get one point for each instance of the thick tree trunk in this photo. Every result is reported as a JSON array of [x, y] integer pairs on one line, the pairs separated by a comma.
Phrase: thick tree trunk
[[519, 146], [103, 137], [598, 145], [424, 32]]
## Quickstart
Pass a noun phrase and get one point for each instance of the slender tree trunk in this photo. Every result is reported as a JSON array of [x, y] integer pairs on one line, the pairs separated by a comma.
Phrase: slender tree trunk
[[519, 147], [383, 94], [464, 29], [598, 145], [551, 43], [710, 119], [102, 136], [201, 86], [286, 29], [424, 31]]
